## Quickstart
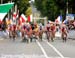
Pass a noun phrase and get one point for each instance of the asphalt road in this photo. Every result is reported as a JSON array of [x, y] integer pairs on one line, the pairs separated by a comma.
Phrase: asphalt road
[[38, 49]]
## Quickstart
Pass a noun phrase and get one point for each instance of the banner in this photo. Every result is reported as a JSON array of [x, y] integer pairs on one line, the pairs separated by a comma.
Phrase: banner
[[4, 9]]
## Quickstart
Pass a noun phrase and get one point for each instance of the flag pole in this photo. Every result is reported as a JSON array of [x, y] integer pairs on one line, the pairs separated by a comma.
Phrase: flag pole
[[67, 7], [12, 9], [16, 13], [1, 1]]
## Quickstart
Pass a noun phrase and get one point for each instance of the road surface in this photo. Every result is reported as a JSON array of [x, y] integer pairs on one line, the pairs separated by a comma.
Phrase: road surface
[[38, 49]]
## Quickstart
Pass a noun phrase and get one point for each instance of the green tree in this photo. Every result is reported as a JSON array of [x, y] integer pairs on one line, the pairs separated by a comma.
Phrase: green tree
[[62, 7], [47, 8], [71, 5], [23, 5], [53, 8], [62, 4]]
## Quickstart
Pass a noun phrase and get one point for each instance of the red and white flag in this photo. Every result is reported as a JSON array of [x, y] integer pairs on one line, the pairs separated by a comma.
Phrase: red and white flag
[[0, 21], [22, 19], [30, 18], [15, 16]]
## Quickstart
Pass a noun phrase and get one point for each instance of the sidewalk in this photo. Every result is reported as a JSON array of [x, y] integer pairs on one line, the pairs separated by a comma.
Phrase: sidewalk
[[3, 34], [71, 34]]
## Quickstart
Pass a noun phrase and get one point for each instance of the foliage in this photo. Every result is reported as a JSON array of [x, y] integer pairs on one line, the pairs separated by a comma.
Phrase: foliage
[[49, 8], [23, 5], [53, 8]]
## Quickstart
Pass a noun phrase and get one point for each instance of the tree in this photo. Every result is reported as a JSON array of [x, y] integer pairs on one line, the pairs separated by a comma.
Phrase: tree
[[47, 8], [71, 6], [62, 7], [53, 8], [23, 5]]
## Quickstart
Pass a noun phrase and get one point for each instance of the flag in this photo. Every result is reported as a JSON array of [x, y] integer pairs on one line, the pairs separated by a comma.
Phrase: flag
[[58, 20], [51, 22], [22, 19], [4, 9], [30, 18], [15, 16], [8, 21], [0, 22], [70, 17], [65, 21]]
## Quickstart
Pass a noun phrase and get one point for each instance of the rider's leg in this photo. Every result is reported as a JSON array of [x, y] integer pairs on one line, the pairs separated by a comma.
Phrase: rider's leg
[[40, 35], [63, 37], [52, 36]]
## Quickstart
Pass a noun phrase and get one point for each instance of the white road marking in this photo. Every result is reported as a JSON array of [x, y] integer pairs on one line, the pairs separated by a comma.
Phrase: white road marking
[[54, 49], [25, 56], [45, 54]]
